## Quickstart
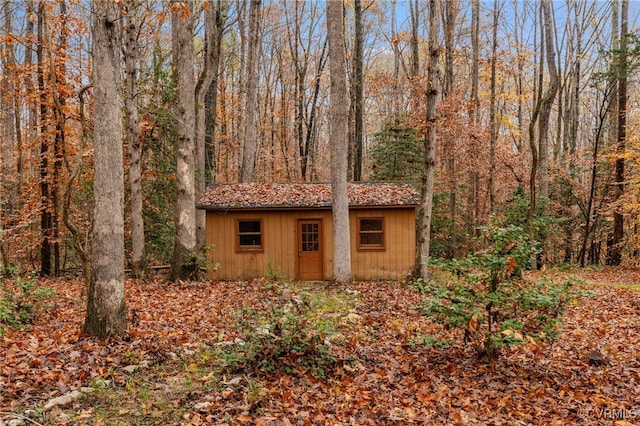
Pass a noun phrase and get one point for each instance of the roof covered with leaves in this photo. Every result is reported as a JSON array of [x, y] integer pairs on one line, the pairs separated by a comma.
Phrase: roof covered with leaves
[[304, 195]]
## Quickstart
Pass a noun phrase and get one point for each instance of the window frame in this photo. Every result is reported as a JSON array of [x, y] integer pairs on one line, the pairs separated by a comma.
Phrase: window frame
[[252, 248], [370, 247]]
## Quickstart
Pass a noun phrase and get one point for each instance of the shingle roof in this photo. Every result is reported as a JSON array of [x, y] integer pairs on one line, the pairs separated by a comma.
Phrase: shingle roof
[[303, 195]]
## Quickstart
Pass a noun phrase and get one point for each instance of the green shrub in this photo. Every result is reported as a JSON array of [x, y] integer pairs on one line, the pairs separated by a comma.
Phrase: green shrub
[[488, 298], [280, 337], [19, 302]]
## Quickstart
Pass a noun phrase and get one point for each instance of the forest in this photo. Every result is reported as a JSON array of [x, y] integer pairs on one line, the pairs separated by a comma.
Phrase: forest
[[523, 133], [516, 121]]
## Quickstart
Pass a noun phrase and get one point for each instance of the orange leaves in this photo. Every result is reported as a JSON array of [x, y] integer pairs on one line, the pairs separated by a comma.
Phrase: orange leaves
[[512, 265], [473, 322], [181, 8], [383, 376]]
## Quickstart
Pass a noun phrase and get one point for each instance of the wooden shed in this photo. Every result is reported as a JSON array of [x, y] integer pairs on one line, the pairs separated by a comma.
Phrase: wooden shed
[[255, 229]]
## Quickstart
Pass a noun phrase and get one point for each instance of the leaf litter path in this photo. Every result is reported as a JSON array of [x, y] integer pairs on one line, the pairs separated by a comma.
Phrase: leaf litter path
[[386, 380]]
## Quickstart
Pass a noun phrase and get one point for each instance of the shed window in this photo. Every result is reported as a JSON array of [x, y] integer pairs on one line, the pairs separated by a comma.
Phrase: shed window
[[370, 233], [249, 235]]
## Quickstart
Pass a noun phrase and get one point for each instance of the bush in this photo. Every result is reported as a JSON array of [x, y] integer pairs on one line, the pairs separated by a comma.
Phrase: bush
[[20, 302], [281, 337], [488, 298]]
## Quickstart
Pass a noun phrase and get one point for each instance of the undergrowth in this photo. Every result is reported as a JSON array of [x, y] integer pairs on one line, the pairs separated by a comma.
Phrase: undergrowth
[[20, 301], [487, 297]]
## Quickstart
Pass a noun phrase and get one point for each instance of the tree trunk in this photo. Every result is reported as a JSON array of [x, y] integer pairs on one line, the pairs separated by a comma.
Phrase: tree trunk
[[58, 75], [250, 147], [426, 192], [184, 263], [138, 252], [339, 143], [311, 120], [617, 240], [106, 301], [493, 125], [414, 14], [46, 216], [450, 22], [205, 80], [211, 100], [474, 112], [547, 100], [358, 76], [10, 185]]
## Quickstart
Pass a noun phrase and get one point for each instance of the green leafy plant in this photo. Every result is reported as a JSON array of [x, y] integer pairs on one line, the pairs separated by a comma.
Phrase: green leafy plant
[[20, 300], [273, 272], [487, 297], [280, 337], [197, 262]]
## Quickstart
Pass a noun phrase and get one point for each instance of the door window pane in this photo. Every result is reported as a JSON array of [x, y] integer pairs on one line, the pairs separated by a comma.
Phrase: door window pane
[[310, 237]]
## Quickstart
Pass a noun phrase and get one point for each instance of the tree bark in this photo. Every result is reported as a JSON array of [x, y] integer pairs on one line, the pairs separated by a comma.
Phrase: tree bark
[[547, 100], [450, 14], [211, 99], [214, 21], [426, 192], [184, 263], [250, 147], [138, 252], [358, 76], [106, 301], [339, 143], [474, 113], [46, 216], [11, 185], [617, 241], [493, 125]]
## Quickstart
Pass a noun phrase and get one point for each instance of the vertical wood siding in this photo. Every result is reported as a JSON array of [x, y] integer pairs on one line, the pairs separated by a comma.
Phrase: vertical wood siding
[[281, 249]]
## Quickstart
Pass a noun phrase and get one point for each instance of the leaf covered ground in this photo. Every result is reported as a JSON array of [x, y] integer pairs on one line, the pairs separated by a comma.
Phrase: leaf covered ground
[[352, 355]]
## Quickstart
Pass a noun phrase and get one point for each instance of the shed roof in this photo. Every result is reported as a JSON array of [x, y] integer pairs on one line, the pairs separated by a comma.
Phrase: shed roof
[[304, 195]]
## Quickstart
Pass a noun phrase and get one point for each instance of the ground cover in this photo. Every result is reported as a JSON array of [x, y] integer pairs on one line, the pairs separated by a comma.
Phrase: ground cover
[[279, 353]]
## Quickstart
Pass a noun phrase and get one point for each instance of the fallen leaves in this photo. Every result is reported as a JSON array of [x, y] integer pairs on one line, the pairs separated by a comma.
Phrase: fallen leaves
[[382, 377], [270, 195]]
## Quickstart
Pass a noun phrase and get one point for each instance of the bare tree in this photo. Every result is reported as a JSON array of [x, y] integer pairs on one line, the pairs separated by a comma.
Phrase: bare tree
[[46, 213], [357, 85], [449, 22], [106, 302], [132, 49], [214, 20], [250, 147], [339, 143], [10, 186], [615, 255], [426, 191], [214, 31], [548, 98]]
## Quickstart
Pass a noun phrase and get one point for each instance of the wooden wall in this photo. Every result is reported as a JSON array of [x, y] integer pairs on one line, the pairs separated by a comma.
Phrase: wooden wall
[[398, 257], [281, 249]]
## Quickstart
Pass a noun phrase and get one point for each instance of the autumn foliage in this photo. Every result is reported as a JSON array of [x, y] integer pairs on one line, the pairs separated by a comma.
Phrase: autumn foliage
[[191, 357]]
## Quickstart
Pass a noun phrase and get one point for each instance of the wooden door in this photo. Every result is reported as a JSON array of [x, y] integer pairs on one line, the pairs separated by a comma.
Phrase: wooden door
[[310, 250]]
